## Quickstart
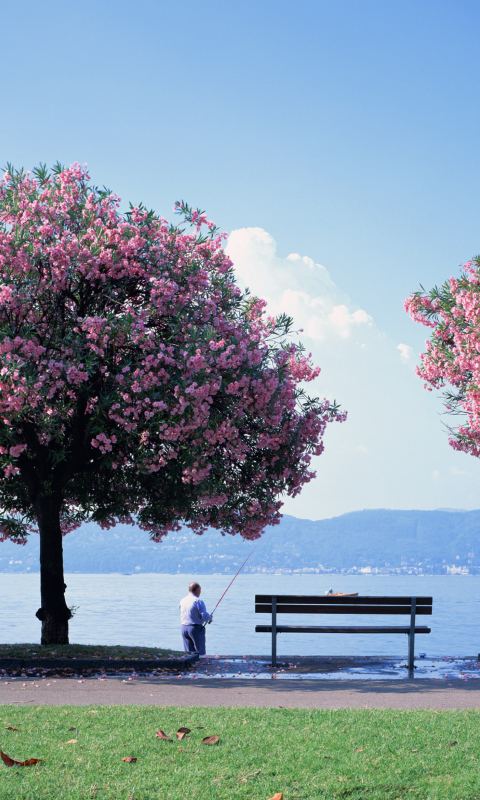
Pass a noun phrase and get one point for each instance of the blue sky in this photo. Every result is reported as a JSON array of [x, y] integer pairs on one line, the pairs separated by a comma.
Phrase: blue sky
[[347, 132]]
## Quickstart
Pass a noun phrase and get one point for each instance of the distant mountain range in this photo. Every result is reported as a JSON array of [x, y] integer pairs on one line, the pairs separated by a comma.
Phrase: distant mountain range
[[429, 542]]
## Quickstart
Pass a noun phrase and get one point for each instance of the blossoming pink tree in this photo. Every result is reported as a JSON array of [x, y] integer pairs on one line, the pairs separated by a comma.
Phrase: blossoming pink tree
[[137, 383], [453, 353]]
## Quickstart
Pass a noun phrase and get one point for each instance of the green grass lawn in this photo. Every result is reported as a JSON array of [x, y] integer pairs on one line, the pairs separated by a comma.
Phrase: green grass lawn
[[304, 754], [82, 651]]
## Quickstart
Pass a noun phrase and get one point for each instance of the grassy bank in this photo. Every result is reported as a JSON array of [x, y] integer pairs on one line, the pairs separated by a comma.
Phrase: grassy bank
[[307, 755], [82, 651]]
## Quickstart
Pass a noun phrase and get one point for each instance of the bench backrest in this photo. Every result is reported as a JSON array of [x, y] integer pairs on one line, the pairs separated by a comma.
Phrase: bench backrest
[[325, 604]]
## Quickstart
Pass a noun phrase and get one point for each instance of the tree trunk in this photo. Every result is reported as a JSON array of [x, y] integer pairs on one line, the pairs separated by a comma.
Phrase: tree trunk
[[54, 612]]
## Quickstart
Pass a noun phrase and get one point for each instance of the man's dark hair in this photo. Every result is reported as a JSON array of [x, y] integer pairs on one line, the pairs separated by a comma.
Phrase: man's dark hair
[[194, 586]]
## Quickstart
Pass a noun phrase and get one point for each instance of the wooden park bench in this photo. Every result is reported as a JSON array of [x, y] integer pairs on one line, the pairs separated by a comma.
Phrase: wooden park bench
[[325, 604]]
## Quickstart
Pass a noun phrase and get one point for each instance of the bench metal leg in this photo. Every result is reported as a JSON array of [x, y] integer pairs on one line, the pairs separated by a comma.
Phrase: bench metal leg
[[411, 635], [274, 631]]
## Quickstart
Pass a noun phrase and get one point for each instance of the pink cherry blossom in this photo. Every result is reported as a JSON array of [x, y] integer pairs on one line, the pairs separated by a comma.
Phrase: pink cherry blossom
[[452, 356], [137, 382]]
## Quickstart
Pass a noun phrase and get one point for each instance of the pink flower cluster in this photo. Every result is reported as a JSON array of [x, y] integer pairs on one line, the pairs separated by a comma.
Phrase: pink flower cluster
[[135, 378], [453, 352]]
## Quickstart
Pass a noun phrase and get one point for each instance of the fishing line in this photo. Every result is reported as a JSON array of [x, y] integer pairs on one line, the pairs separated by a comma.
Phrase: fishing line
[[228, 587]]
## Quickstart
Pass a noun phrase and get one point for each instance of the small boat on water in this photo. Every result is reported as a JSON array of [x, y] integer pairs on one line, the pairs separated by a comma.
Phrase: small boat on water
[[341, 594]]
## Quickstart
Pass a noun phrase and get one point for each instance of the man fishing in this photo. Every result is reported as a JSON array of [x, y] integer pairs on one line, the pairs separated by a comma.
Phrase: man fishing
[[193, 617]]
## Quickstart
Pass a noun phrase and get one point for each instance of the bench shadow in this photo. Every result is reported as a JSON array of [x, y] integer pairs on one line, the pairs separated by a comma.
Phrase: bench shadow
[[399, 686]]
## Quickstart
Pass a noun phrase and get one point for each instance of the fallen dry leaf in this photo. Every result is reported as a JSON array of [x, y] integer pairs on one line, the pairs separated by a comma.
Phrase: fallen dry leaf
[[73, 728], [72, 741], [181, 733], [277, 796], [9, 728], [129, 759], [12, 762], [210, 740], [251, 775], [162, 735]]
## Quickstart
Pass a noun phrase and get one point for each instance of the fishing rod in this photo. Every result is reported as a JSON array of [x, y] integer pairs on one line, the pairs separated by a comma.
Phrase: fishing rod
[[228, 587]]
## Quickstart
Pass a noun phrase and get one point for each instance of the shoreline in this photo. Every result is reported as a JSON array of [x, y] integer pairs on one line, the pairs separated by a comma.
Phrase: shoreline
[[250, 669]]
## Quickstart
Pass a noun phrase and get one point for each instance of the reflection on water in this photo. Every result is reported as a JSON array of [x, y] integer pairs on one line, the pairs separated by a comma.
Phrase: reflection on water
[[332, 669], [143, 610]]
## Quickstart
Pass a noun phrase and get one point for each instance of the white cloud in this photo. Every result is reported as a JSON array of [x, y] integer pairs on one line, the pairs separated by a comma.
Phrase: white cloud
[[405, 352], [456, 471], [343, 321], [295, 285], [390, 417]]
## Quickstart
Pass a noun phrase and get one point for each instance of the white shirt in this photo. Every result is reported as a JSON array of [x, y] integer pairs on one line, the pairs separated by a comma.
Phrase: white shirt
[[193, 611]]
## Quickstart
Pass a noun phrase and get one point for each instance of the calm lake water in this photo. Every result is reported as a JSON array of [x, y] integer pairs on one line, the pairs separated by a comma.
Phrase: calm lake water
[[143, 610]]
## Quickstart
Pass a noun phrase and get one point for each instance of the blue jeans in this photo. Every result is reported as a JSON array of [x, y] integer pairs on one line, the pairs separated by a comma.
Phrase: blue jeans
[[194, 639]]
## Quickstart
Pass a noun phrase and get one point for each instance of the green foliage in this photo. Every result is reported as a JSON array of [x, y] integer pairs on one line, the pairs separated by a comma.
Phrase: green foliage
[[137, 380]]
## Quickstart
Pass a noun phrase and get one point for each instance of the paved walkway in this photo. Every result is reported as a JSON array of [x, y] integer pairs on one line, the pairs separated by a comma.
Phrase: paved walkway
[[304, 682], [404, 694]]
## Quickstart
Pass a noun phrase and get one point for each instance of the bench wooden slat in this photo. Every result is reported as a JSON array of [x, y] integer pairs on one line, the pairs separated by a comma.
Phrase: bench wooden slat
[[344, 609], [341, 629], [275, 604], [312, 600]]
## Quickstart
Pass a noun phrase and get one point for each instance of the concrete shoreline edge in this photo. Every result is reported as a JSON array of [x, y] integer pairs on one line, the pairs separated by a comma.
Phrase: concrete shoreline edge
[[79, 664]]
